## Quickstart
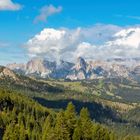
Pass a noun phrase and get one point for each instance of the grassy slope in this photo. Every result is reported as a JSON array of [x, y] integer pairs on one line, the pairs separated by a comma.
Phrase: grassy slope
[[109, 101], [106, 93]]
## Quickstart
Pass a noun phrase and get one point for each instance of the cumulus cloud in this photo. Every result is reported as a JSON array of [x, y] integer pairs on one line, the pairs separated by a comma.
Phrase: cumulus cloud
[[9, 5], [47, 11], [127, 37], [100, 33], [97, 42]]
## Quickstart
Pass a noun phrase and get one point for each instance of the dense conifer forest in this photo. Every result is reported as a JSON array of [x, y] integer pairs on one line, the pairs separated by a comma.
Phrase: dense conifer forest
[[23, 119]]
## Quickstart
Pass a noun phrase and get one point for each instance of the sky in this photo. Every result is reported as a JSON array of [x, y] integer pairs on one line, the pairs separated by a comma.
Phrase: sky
[[65, 29]]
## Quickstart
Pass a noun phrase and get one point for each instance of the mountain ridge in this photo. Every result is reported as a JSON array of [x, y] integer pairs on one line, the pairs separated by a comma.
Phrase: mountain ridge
[[80, 70]]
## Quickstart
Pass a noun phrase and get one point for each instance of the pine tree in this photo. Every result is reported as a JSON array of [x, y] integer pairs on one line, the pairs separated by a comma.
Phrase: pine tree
[[61, 130], [101, 133], [112, 136], [48, 128], [15, 132], [86, 124], [70, 117], [11, 132], [22, 132], [77, 135], [96, 132], [20, 118]]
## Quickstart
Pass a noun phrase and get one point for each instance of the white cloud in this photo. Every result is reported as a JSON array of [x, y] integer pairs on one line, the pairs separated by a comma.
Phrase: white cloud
[[47, 11], [100, 33], [9, 5], [127, 37], [97, 42], [85, 50]]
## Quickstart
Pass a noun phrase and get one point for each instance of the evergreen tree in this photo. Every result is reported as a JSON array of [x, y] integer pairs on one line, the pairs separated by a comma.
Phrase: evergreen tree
[[25, 120], [77, 135], [70, 117], [48, 128], [86, 124], [100, 133], [22, 133], [61, 130], [112, 136]]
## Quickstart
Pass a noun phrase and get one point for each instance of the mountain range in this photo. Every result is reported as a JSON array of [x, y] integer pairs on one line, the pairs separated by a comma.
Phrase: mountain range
[[124, 43], [81, 69]]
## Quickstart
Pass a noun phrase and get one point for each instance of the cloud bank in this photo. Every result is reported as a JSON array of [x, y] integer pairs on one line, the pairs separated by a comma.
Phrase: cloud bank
[[47, 11], [97, 42], [9, 5]]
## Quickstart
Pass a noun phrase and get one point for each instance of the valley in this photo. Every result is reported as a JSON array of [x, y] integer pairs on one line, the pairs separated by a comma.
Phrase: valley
[[69, 70], [112, 102]]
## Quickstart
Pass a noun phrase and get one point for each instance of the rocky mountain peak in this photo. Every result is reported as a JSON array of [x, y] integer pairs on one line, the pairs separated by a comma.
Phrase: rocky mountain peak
[[80, 70], [81, 64], [35, 65], [81, 61], [5, 72]]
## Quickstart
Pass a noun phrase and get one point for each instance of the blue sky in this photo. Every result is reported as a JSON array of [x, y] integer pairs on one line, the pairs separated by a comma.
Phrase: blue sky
[[17, 26]]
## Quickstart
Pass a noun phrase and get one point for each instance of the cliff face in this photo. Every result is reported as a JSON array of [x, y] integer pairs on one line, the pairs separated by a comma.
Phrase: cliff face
[[81, 69], [7, 73]]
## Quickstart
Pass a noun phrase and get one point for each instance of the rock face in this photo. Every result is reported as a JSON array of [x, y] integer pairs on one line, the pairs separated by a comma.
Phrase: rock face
[[78, 71], [97, 69], [40, 67], [82, 69], [62, 70], [7, 73]]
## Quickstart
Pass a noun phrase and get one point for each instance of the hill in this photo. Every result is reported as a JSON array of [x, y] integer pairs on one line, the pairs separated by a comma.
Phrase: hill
[[23, 118], [107, 100]]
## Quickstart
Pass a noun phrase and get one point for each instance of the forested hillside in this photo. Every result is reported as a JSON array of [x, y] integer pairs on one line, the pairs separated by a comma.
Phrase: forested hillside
[[23, 119], [57, 109]]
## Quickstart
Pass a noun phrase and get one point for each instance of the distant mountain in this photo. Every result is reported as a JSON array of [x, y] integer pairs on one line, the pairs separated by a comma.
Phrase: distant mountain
[[37, 67], [82, 69], [6, 73], [78, 71], [61, 70]]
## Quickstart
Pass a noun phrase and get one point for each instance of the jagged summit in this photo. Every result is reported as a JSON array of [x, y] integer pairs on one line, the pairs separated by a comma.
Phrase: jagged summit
[[81, 63], [81, 69], [7, 73]]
